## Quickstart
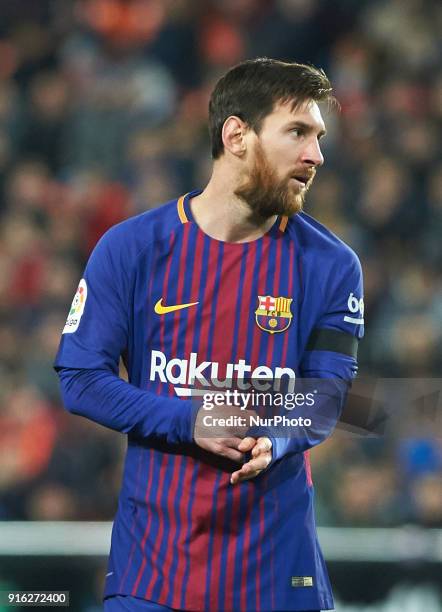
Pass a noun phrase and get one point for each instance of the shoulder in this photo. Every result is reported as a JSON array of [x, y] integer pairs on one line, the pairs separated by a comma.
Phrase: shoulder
[[320, 246], [332, 276], [136, 234]]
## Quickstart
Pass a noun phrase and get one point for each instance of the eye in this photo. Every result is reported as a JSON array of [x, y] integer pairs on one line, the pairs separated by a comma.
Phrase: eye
[[298, 132]]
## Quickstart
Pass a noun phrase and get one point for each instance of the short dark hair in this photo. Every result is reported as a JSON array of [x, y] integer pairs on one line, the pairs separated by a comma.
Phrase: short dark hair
[[251, 89]]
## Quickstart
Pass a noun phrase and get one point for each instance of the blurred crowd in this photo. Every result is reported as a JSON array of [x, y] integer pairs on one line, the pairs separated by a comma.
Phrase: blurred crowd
[[103, 107]]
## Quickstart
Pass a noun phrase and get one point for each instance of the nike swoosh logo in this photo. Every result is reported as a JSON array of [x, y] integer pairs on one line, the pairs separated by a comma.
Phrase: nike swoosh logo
[[160, 309]]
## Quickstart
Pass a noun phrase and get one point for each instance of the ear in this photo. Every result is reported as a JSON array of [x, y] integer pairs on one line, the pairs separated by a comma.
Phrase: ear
[[233, 135]]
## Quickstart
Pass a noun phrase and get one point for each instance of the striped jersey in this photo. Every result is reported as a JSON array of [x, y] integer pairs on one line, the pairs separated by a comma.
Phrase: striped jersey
[[176, 305]]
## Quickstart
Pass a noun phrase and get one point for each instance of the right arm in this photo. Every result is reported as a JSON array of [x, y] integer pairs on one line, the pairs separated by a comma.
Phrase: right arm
[[94, 337], [103, 397]]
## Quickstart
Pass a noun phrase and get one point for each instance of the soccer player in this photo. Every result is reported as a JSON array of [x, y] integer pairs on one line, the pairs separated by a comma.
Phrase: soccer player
[[228, 286]]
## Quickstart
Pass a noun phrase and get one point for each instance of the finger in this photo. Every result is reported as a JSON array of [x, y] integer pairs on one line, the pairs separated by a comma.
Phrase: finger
[[232, 454], [228, 447], [244, 472], [241, 475], [263, 445], [261, 462], [247, 444], [232, 442], [256, 451], [257, 463], [251, 469]]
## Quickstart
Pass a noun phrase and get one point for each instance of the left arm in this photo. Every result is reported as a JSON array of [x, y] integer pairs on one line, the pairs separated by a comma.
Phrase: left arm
[[330, 360]]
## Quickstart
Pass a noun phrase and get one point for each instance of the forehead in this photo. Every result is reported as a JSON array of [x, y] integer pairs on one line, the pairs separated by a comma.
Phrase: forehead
[[283, 113]]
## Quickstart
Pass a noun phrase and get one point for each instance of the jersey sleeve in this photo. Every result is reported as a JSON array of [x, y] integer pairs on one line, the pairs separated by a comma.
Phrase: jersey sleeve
[[331, 349], [96, 330], [94, 337], [329, 362]]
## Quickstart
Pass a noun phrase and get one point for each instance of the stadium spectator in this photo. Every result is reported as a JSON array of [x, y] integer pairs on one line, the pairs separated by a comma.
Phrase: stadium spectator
[[102, 108]]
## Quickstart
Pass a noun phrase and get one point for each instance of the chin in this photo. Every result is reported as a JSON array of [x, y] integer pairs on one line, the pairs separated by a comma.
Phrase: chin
[[293, 211], [294, 206]]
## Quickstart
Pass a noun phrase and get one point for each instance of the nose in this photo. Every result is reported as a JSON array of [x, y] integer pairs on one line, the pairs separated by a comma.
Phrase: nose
[[312, 154]]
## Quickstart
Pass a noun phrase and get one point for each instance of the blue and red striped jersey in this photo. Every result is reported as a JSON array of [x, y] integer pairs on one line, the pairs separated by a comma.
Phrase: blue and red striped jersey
[[183, 536]]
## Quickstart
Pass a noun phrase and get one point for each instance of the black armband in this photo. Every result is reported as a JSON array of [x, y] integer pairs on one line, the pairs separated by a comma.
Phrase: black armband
[[333, 340]]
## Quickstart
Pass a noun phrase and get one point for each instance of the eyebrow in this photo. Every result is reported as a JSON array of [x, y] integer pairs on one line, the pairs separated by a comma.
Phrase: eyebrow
[[306, 126]]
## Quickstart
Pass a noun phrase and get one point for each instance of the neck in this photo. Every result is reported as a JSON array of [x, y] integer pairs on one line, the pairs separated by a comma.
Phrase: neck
[[222, 215]]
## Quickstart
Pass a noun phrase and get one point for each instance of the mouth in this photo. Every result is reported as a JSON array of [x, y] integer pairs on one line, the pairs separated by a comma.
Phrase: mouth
[[300, 179]]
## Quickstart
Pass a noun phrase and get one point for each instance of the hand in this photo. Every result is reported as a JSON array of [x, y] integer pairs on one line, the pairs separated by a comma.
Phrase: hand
[[261, 458], [212, 433]]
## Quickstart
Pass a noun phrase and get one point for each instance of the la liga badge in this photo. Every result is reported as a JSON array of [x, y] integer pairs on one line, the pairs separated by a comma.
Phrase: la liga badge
[[77, 308], [273, 314]]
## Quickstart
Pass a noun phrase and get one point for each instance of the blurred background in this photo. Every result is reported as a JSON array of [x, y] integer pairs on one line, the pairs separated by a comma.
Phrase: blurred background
[[103, 107]]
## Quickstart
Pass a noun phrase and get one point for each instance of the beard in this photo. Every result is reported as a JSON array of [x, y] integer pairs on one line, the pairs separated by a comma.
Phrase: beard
[[267, 195]]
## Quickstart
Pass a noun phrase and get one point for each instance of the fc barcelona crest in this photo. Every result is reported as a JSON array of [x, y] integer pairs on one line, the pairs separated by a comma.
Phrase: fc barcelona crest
[[273, 314]]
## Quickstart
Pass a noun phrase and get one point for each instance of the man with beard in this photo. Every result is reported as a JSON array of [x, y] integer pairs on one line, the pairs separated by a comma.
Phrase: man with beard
[[230, 288]]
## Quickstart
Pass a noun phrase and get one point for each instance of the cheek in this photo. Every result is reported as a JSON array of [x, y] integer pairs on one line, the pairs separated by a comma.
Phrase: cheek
[[281, 155], [285, 155]]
